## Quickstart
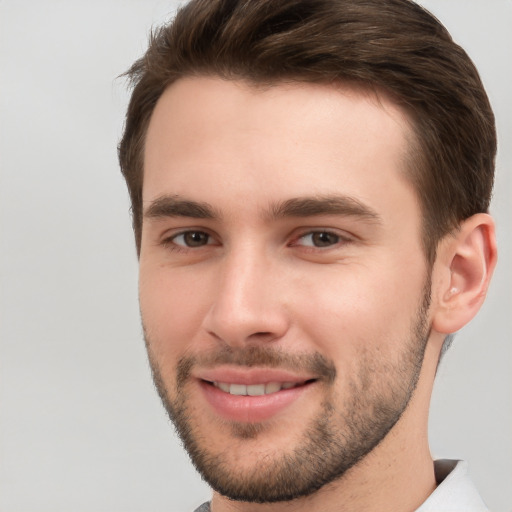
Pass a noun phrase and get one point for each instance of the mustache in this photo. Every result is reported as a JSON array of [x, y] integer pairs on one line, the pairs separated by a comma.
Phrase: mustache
[[248, 357]]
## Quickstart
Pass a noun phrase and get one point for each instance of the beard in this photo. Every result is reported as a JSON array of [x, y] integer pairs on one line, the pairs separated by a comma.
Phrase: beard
[[334, 441]]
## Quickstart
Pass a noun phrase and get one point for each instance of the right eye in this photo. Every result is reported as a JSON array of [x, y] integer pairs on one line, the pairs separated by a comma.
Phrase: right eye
[[191, 239]]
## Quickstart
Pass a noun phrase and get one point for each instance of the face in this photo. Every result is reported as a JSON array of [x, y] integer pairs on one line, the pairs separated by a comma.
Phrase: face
[[283, 288]]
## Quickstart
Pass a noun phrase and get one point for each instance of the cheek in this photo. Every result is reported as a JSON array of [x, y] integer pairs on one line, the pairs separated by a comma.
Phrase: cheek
[[355, 309], [172, 307]]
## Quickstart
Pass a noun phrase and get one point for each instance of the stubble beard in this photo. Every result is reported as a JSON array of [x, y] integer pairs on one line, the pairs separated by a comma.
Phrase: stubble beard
[[332, 443]]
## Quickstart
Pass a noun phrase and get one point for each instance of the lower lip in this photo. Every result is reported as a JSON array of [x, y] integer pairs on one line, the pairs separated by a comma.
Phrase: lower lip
[[251, 409]]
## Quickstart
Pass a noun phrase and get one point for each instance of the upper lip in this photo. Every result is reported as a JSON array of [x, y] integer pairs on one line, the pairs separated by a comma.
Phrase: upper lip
[[250, 376]]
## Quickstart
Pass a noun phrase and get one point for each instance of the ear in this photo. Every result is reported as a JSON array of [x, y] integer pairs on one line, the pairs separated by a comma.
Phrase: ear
[[464, 266]]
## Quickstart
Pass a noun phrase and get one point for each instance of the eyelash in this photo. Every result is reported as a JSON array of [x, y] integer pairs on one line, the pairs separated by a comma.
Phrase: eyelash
[[170, 242], [341, 239]]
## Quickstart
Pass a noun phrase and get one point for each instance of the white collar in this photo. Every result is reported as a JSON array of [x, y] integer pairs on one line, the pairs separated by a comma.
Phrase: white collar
[[455, 491]]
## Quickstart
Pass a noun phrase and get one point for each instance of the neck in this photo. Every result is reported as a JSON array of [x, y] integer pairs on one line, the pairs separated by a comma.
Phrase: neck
[[397, 476]]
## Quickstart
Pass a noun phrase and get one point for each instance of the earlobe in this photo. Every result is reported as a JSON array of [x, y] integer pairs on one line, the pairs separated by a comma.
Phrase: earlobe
[[465, 264]]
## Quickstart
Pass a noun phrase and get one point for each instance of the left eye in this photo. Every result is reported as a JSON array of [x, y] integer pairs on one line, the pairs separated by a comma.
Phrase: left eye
[[319, 239]]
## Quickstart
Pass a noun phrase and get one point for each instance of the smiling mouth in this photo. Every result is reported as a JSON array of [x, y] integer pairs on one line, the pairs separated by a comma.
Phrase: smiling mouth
[[257, 389]]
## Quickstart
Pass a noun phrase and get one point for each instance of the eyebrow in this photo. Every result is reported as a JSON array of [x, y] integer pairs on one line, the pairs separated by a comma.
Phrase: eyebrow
[[324, 205], [175, 206]]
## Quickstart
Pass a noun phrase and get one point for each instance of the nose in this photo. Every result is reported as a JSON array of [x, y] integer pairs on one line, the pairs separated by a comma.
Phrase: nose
[[248, 305]]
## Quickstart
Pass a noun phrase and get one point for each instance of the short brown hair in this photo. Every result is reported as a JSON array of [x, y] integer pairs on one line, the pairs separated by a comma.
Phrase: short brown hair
[[393, 46]]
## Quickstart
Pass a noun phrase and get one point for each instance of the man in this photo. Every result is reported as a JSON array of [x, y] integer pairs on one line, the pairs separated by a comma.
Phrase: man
[[310, 183]]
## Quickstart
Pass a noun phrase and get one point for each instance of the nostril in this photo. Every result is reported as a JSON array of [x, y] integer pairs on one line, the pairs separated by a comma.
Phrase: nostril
[[262, 336]]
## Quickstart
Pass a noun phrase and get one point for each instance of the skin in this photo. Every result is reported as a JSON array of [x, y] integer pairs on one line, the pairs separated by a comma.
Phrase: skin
[[261, 282]]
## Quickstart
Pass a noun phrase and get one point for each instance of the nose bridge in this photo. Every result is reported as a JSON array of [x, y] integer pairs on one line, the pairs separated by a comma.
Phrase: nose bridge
[[247, 300]]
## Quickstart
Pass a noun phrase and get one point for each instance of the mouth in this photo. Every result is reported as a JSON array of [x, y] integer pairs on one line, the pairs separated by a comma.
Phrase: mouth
[[248, 399], [268, 388]]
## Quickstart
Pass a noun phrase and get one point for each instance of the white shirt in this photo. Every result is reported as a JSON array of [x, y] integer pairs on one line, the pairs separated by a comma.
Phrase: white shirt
[[455, 491]]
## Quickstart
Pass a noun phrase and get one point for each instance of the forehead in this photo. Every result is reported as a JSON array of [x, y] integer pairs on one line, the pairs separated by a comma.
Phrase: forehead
[[211, 138]]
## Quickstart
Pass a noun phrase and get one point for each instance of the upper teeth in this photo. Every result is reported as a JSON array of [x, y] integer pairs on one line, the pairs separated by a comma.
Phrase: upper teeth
[[254, 389]]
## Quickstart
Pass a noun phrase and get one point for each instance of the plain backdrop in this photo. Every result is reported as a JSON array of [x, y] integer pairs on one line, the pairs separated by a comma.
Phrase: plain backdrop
[[81, 428]]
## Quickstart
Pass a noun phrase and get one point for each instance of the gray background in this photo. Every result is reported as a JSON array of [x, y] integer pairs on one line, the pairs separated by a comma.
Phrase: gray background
[[81, 428]]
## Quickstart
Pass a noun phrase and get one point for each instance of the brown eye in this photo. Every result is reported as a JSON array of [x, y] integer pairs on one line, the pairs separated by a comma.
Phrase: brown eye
[[324, 239], [192, 239], [319, 239]]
